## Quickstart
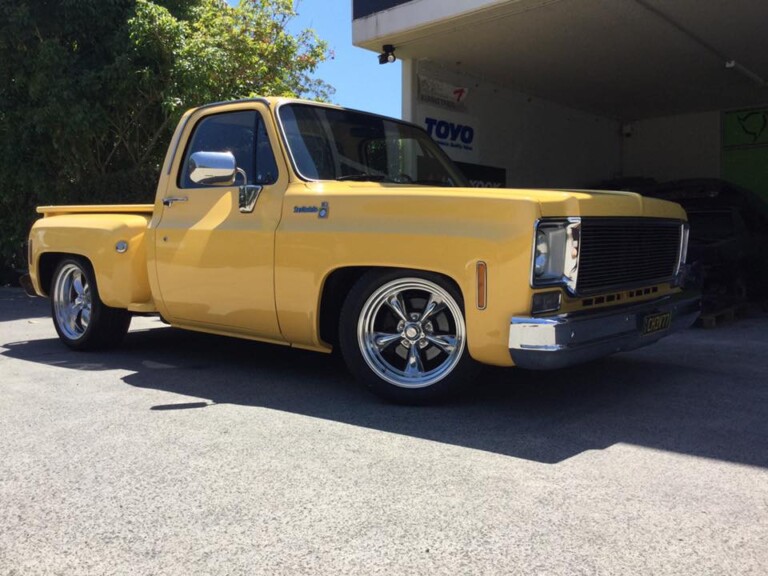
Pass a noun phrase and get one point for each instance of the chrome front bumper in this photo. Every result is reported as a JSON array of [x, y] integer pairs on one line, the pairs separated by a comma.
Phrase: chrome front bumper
[[568, 339]]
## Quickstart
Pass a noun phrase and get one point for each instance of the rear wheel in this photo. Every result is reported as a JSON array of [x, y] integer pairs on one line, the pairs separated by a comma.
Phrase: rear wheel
[[81, 319], [403, 335]]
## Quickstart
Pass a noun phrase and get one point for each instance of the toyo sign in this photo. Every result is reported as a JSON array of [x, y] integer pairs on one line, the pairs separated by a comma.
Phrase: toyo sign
[[450, 132], [457, 134], [457, 138], [444, 130]]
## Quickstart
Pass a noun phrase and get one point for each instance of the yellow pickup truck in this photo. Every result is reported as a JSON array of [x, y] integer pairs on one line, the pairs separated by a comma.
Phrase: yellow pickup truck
[[314, 226]]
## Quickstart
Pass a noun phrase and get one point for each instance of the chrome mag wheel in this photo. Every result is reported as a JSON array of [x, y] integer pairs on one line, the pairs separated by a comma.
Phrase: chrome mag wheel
[[411, 332], [72, 302]]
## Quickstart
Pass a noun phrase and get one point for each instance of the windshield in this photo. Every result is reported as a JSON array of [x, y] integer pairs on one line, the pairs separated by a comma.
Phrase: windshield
[[333, 144]]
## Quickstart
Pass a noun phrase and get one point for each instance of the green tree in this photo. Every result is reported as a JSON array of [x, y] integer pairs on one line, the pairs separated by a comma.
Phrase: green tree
[[90, 91]]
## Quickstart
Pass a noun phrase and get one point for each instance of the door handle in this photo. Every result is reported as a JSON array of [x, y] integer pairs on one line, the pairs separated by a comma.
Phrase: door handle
[[249, 194], [169, 200]]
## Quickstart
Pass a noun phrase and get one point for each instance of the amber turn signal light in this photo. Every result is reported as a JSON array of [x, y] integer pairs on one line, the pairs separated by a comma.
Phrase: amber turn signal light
[[482, 285]]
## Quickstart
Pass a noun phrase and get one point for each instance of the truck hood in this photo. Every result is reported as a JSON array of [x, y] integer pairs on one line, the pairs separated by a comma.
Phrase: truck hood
[[556, 203], [562, 203]]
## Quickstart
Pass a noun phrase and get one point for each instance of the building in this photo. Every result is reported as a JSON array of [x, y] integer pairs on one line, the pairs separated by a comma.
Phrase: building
[[570, 93]]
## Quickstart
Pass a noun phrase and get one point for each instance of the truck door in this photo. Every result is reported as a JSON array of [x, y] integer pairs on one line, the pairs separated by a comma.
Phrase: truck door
[[214, 263]]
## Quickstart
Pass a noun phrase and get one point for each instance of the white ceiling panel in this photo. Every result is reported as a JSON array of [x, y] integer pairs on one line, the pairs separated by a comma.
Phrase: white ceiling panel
[[627, 59]]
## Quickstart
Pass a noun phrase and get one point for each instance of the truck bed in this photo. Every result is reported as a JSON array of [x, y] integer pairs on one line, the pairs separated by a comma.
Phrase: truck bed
[[97, 209]]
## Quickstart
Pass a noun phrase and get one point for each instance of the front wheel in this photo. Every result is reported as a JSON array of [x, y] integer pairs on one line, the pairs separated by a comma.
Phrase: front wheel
[[404, 336], [81, 319]]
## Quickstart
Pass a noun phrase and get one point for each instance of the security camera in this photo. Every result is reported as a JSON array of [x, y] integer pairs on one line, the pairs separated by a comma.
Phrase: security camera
[[388, 54]]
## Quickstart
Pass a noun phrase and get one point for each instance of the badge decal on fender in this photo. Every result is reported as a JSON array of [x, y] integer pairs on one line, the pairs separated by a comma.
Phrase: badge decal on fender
[[321, 211]]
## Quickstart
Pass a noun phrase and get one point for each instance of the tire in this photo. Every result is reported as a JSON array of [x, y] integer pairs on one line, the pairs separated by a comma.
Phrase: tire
[[81, 319], [392, 348]]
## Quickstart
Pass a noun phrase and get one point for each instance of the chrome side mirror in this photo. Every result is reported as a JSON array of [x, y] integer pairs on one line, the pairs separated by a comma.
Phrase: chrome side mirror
[[220, 169], [212, 168]]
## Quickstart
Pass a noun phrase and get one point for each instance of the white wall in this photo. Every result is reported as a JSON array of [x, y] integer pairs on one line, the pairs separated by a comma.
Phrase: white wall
[[674, 147], [541, 144]]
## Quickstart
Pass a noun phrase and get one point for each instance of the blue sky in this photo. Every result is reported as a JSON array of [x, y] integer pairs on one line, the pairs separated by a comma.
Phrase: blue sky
[[360, 81]]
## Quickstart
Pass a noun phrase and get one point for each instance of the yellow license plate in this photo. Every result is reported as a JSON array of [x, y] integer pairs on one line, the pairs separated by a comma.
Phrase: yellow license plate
[[656, 322]]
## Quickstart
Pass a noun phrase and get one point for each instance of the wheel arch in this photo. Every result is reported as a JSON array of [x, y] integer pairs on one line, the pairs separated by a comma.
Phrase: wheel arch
[[338, 282], [47, 264]]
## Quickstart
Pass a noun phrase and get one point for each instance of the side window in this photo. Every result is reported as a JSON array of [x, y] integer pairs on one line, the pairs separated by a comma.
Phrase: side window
[[265, 170], [243, 134]]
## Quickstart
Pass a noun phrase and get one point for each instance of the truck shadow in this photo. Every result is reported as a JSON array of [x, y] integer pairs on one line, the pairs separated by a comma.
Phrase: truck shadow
[[703, 398]]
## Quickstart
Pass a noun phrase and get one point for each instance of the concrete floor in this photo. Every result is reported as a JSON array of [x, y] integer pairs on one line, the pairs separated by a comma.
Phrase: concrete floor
[[183, 453]]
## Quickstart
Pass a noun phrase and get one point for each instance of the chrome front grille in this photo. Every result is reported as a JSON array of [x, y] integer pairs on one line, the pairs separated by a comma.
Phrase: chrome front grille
[[623, 253]]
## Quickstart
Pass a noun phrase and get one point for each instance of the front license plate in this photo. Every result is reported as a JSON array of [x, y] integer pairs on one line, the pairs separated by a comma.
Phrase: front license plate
[[656, 322]]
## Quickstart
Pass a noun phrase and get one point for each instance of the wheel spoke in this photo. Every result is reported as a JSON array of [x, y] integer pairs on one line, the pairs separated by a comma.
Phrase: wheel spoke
[[72, 321], [77, 283], [384, 339], [446, 343], [68, 290], [85, 317], [396, 304], [415, 366], [434, 304]]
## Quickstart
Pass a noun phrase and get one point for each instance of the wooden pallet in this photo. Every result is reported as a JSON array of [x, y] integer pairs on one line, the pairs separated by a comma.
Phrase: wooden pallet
[[717, 318]]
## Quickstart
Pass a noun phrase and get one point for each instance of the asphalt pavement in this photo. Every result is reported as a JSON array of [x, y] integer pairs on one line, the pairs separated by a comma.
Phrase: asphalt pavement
[[184, 453]]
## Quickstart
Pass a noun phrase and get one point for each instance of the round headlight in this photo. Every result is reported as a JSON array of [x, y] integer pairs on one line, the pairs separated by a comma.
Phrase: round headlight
[[542, 254]]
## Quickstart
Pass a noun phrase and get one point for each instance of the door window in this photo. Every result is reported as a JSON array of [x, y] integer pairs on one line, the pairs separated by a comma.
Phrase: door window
[[241, 133]]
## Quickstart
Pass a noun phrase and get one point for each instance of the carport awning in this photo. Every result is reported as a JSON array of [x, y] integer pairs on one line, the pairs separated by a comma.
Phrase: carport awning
[[627, 59]]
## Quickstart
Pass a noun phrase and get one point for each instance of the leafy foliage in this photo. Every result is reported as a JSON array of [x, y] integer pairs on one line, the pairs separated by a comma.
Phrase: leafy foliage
[[90, 91]]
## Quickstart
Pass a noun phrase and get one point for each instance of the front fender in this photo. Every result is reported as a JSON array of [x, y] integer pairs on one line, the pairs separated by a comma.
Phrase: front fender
[[446, 235]]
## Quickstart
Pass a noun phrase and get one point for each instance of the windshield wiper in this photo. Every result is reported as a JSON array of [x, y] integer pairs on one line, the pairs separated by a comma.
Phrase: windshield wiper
[[362, 177]]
